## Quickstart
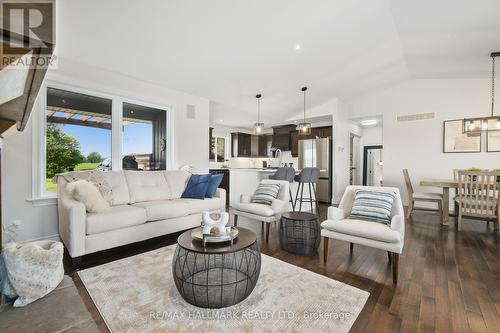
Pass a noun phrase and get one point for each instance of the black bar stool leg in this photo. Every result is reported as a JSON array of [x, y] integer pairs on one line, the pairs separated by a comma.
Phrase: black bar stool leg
[[297, 195], [316, 199], [310, 198], [301, 196], [291, 198]]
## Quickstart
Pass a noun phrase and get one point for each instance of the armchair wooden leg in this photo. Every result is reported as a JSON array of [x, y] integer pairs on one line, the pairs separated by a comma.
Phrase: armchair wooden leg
[[325, 249], [351, 247], [389, 256], [268, 225], [262, 225], [235, 220], [395, 264]]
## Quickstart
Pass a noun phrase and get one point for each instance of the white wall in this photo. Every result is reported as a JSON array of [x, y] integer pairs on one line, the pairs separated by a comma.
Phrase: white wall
[[39, 219], [372, 136], [417, 145]]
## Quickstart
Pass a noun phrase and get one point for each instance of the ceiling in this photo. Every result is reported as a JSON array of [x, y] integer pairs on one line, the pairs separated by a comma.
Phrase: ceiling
[[227, 50]]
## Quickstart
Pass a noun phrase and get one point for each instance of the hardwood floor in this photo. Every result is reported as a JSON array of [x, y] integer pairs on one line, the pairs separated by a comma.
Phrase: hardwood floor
[[449, 281]]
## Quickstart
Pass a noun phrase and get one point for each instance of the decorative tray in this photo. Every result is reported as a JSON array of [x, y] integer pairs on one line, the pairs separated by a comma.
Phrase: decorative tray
[[231, 234]]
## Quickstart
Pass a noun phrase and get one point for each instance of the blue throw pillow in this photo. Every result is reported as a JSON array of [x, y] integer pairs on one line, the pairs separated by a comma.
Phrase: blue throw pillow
[[214, 183], [197, 187]]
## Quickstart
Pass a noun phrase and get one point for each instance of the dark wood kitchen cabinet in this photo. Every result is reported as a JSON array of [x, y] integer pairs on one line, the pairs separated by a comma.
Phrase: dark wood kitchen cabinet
[[265, 142], [241, 145], [248, 145], [295, 143]]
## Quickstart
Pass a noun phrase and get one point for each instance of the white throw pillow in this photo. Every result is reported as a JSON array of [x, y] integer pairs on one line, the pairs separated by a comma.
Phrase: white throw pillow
[[33, 269], [89, 195]]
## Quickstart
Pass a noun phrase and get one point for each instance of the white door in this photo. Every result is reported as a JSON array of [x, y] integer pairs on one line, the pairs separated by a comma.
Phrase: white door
[[355, 165]]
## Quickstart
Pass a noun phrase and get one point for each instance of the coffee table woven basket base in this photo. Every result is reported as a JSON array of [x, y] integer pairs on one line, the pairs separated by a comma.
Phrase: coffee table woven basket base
[[300, 233], [216, 280]]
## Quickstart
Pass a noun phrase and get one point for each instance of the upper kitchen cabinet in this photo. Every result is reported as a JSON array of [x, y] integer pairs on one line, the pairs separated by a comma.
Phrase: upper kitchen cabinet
[[282, 137], [321, 132], [265, 144], [294, 136], [241, 145], [247, 145]]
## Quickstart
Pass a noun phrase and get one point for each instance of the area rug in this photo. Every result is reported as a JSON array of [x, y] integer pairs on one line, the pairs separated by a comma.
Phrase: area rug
[[138, 294]]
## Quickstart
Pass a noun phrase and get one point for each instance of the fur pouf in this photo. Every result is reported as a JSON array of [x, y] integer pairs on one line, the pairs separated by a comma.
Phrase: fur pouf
[[33, 269]]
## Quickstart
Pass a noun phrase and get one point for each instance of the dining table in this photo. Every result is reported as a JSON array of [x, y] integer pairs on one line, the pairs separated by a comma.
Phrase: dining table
[[445, 184]]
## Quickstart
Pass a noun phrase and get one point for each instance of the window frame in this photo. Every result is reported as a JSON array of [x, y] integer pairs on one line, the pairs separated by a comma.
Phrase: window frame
[[39, 193]]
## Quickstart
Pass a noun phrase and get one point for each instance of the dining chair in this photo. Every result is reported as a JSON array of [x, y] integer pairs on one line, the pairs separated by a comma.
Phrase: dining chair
[[420, 196], [478, 196]]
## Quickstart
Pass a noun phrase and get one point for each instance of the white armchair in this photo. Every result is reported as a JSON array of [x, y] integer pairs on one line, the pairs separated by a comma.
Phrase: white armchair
[[261, 212], [377, 235]]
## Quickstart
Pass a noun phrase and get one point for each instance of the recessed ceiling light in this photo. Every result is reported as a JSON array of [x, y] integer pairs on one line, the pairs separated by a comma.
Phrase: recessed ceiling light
[[369, 122], [295, 121], [297, 47]]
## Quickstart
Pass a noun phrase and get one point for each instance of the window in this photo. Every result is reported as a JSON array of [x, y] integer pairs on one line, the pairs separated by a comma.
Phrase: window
[[217, 149], [144, 143], [84, 130], [78, 133]]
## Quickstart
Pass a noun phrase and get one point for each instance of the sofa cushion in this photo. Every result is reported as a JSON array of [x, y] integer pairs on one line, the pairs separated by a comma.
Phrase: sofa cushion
[[119, 187], [164, 209], [213, 184], [254, 208], [197, 187], [365, 229], [373, 206], [198, 206], [177, 181], [147, 186], [117, 217], [266, 193], [88, 194]]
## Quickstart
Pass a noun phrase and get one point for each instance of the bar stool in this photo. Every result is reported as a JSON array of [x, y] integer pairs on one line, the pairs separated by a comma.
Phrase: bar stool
[[287, 174], [309, 176]]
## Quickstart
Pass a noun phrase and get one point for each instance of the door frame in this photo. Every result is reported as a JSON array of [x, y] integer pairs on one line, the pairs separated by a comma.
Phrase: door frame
[[365, 159]]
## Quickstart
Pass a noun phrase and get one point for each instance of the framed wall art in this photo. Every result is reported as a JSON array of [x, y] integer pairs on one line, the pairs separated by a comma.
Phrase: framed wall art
[[455, 141]]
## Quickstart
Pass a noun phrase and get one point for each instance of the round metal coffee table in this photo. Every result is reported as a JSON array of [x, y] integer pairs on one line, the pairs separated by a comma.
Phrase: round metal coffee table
[[300, 232], [217, 275]]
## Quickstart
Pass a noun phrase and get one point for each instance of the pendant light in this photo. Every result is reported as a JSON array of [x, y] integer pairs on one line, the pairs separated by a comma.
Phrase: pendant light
[[258, 127], [474, 126], [304, 128]]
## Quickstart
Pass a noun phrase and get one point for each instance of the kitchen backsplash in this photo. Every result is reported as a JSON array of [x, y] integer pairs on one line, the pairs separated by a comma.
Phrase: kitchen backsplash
[[249, 162]]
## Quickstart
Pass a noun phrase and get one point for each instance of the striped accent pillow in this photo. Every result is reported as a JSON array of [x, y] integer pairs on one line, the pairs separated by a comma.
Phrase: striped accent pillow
[[265, 194], [373, 206]]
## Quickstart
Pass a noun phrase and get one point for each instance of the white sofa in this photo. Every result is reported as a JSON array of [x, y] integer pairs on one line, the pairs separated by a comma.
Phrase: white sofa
[[144, 204], [372, 234]]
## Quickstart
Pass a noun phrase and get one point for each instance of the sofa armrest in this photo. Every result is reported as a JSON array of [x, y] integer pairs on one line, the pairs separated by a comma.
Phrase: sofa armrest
[[72, 225], [398, 224], [221, 194], [245, 198], [279, 206], [336, 214]]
